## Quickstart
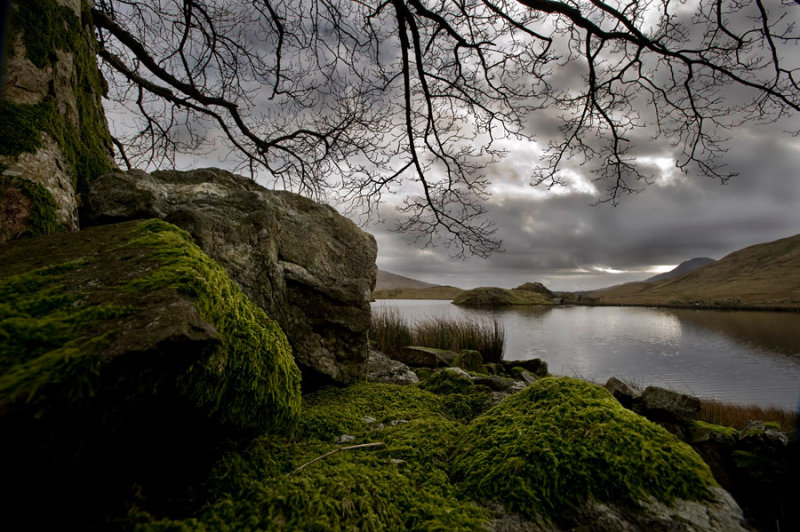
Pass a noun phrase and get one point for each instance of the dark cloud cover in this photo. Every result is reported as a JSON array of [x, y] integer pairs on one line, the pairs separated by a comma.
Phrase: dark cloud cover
[[563, 240]]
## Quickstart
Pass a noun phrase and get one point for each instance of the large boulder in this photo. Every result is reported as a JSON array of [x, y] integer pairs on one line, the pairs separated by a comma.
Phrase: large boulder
[[126, 353], [307, 266]]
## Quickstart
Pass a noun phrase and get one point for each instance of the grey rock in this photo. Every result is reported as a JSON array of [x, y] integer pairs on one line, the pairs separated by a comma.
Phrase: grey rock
[[458, 373], [308, 267], [527, 377], [344, 438], [381, 368], [536, 366], [498, 384], [757, 436], [622, 392], [719, 515], [425, 357], [659, 404]]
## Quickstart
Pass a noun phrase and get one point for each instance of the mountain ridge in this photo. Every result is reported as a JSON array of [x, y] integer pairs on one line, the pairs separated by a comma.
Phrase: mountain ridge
[[761, 276]]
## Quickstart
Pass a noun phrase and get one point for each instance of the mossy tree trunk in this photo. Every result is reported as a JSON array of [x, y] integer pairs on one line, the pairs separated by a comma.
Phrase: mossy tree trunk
[[54, 137]]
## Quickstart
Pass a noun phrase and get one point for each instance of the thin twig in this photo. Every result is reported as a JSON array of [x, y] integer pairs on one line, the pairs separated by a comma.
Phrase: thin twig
[[338, 449]]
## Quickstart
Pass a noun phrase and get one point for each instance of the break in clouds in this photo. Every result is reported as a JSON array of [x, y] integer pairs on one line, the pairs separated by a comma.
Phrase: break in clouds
[[559, 237]]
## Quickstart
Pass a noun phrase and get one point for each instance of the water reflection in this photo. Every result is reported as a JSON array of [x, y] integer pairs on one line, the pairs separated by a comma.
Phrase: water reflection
[[778, 332], [744, 357]]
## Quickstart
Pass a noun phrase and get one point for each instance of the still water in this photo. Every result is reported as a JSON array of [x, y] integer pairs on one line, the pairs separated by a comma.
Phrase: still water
[[733, 356]]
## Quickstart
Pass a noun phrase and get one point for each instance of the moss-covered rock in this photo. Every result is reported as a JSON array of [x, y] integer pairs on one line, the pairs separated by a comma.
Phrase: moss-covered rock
[[307, 266], [118, 343], [561, 442], [410, 464]]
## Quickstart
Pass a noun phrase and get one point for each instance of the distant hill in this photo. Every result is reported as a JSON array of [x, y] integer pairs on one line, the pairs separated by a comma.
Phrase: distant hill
[[684, 267], [490, 296], [392, 281], [432, 292], [393, 286], [760, 276]]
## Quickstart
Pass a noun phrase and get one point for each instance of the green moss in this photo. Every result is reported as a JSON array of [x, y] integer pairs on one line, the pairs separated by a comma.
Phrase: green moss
[[448, 382], [46, 335], [333, 411], [56, 322], [21, 126], [561, 441], [252, 380], [470, 360], [45, 27], [461, 398], [699, 429], [42, 217], [402, 485]]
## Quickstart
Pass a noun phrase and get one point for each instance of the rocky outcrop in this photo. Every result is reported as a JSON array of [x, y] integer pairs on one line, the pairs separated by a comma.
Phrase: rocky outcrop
[[672, 410], [127, 353], [307, 266], [53, 133]]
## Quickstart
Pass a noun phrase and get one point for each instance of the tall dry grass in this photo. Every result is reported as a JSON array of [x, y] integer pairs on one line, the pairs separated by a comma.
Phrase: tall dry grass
[[731, 415], [391, 332]]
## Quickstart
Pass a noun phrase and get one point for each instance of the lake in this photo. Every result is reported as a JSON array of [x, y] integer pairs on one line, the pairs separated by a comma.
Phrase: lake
[[733, 356]]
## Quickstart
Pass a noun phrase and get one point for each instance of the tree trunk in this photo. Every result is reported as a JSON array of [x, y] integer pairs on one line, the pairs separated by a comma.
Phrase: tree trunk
[[54, 137]]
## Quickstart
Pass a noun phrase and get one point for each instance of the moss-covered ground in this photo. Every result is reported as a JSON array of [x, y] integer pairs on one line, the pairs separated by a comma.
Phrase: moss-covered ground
[[541, 453]]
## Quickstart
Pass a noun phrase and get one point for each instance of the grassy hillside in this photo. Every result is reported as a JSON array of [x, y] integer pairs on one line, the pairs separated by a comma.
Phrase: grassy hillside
[[392, 281], [682, 268], [432, 292], [761, 276]]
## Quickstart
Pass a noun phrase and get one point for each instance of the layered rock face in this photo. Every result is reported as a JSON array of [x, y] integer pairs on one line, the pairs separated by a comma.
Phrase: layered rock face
[[307, 266], [53, 133]]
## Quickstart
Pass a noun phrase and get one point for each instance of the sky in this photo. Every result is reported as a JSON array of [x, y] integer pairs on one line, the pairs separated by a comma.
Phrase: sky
[[562, 239]]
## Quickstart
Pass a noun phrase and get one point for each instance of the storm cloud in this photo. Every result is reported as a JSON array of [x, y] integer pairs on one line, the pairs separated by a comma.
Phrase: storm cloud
[[564, 239]]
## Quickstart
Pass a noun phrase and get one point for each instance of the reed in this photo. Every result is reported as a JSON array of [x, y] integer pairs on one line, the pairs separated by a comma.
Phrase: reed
[[737, 416], [391, 332]]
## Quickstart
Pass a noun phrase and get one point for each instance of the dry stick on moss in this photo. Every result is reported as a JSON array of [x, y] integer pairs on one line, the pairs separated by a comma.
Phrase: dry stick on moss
[[338, 449]]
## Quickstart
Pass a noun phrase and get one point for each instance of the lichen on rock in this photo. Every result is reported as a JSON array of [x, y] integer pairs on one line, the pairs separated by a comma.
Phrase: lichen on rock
[[53, 130]]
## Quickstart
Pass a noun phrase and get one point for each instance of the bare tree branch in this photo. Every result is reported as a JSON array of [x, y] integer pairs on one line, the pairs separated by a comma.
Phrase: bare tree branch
[[356, 101]]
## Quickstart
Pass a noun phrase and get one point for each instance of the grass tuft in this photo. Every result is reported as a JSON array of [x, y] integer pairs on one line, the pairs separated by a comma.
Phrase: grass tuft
[[390, 332], [737, 416]]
